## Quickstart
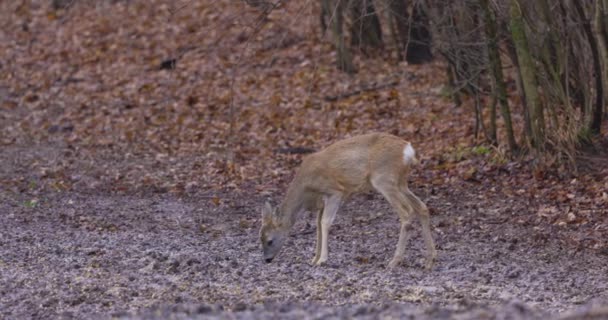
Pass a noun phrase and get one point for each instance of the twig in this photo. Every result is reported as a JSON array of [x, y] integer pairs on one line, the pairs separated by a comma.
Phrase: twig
[[302, 233], [295, 150]]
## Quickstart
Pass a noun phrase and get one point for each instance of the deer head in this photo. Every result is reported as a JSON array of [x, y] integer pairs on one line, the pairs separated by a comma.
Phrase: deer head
[[273, 232]]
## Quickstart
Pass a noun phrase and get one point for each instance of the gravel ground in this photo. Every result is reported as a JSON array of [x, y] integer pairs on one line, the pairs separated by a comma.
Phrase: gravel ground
[[81, 255]]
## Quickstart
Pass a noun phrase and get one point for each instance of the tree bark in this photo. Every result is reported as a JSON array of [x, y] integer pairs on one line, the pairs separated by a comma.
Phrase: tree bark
[[552, 58], [604, 31], [595, 118], [496, 65], [528, 76], [335, 8], [602, 47], [512, 53], [604, 5]]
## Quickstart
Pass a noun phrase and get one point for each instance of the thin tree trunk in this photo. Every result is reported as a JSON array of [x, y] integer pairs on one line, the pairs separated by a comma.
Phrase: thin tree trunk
[[323, 15], [491, 43], [468, 57], [604, 4], [527, 129], [335, 8], [400, 16], [604, 30], [595, 119], [496, 65], [553, 47], [492, 130], [454, 93], [418, 50], [526, 69], [551, 56], [602, 46], [365, 30], [572, 77]]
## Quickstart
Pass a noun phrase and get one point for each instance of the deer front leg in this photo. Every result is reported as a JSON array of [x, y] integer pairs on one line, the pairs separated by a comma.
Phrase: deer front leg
[[387, 186], [331, 205], [319, 238]]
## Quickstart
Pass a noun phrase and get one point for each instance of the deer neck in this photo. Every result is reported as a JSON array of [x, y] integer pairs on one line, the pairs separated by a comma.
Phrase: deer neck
[[295, 201]]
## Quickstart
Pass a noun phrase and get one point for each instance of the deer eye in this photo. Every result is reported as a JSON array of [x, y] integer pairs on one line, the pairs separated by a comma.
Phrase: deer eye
[[269, 242]]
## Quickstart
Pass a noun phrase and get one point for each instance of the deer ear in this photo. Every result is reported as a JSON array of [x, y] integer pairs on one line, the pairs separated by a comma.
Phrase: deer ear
[[267, 212]]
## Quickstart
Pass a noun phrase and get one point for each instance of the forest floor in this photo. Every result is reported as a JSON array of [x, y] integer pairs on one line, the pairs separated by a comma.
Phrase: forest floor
[[77, 255], [132, 189]]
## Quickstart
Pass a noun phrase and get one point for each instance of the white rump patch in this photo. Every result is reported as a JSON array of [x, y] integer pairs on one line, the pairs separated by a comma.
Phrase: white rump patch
[[409, 154]]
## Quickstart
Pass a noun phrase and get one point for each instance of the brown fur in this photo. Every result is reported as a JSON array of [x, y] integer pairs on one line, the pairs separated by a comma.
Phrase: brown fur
[[326, 178]]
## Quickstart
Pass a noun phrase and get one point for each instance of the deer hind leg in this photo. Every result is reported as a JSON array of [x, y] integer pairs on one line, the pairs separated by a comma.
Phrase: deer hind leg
[[403, 239], [331, 205], [319, 238], [422, 212], [389, 189]]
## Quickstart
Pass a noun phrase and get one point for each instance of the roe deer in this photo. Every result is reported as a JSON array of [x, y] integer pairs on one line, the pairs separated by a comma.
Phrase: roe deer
[[376, 160]]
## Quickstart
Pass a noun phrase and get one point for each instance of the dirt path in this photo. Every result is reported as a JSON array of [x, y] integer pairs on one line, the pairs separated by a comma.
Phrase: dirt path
[[82, 255]]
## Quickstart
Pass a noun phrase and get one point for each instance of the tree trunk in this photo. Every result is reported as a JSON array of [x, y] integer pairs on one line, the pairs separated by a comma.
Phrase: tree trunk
[[454, 92], [551, 57], [575, 89], [602, 46], [335, 9], [496, 65], [604, 5], [528, 76], [365, 30], [466, 51], [419, 48], [322, 16], [527, 129], [595, 118], [604, 31], [400, 21], [553, 47]]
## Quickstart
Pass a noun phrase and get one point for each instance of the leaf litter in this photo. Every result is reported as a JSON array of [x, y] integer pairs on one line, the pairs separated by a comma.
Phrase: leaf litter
[[157, 128]]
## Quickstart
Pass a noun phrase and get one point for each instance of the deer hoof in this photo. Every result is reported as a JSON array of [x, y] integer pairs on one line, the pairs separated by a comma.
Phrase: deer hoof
[[393, 264]]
